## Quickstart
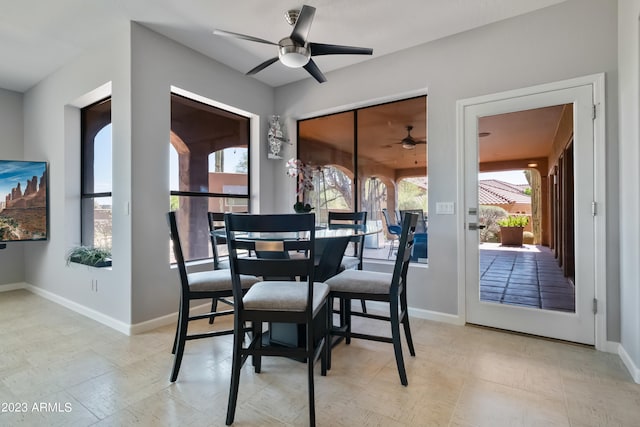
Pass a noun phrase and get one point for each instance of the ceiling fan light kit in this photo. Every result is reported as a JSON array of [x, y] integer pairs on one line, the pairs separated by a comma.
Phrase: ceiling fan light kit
[[291, 55], [296, 51], [408, 142], [408, 145]]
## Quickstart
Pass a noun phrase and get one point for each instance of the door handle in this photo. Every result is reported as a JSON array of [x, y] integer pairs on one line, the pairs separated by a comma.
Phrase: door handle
[[476, 226]]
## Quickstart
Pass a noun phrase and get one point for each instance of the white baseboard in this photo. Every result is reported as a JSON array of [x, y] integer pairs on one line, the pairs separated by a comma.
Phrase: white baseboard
[[85, 311], [436, 316], [169, 319], [628, 362], [419, 313], [116, 324], [609, 347], [138, 328], [13, 286]]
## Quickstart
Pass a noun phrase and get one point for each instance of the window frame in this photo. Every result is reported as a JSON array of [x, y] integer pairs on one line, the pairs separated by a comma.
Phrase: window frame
[[217, 195], [357, 183], [85, 239]]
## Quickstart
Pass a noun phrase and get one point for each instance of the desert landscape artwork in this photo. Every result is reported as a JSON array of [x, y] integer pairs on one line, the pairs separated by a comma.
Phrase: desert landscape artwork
[[23, 202]]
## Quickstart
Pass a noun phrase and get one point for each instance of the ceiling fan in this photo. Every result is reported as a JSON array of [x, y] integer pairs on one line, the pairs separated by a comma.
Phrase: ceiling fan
[[295, 51], [408, 142]]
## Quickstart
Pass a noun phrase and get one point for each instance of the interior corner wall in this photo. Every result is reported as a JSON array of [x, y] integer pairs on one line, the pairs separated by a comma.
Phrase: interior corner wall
[[52, 133], [12, 148], [629, 222], [571, 39], [159, 63]]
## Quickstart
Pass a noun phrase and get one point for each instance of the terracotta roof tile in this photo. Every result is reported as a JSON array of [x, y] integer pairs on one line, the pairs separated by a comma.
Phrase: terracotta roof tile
[[496, 192]]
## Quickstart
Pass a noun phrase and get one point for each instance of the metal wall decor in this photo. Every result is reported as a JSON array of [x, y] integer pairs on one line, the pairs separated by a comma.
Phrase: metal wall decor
[[275, 138]]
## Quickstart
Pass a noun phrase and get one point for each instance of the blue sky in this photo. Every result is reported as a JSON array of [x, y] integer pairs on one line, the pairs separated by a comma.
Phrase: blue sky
[[102, 168], [14, 172], [232, 156]]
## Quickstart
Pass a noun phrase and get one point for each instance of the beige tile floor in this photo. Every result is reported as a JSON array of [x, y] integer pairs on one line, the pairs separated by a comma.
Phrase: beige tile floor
[[461, 376]]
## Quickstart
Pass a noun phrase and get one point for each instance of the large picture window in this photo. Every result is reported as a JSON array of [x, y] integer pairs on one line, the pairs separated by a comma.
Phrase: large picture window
[[371, 159], [209, 169], [96, 171]]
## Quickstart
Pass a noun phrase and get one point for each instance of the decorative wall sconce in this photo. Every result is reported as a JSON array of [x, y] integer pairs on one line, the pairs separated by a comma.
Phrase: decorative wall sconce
[[275, 138]]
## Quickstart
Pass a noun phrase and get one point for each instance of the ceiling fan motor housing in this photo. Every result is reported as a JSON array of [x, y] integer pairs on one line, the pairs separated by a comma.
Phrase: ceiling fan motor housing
[[293, 55], [296, 51]]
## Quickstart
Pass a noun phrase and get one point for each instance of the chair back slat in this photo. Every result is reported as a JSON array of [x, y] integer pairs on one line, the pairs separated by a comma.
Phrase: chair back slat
[[351, 220], [421, 225], [403, 258], [177, 250], [271, 258], [216, 222]]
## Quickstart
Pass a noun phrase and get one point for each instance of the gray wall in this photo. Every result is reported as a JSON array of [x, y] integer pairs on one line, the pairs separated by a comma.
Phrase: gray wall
[[52, 132], [12, 148], [629, 75], [141, 67], [543, 46], [159, 63]]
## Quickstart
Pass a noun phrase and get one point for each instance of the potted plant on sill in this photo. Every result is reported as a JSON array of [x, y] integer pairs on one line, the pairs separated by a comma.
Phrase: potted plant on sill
[[511, 229], [87, 255]]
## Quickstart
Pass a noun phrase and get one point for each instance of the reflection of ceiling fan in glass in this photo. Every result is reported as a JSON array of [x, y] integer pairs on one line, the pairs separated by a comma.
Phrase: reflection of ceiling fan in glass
[[295, 51], [408, 142]]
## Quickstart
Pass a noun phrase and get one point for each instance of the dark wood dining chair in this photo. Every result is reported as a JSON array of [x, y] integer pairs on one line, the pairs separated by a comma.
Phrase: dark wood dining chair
[[302, 302], [215, 284], [216, 224], [352, 220], [356, 221], [384, 287]]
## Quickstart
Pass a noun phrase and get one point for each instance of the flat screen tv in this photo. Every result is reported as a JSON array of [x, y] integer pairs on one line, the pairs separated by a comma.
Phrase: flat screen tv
[[23, 201]]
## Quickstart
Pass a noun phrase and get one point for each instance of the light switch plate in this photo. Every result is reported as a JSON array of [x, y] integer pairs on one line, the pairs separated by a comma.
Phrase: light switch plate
[[445, 208]]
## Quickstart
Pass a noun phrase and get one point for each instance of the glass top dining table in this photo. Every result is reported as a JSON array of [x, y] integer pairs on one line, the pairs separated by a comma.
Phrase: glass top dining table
[[321, 232], [330, 244]]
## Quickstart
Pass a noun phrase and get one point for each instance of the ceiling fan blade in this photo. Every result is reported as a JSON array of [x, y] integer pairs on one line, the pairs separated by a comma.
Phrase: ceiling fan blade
[[303, 25], [242, 36], [313, 69], [334, 49], [262, 66]]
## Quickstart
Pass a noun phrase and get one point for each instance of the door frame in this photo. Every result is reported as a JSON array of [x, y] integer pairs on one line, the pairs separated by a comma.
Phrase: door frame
[[597, 81]]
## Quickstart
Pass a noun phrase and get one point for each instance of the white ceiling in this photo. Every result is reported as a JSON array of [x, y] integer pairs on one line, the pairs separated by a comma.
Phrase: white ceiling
[[39, 36]]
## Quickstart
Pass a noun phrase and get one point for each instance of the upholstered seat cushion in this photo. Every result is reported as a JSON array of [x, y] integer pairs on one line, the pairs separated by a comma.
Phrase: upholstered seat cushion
[[216, 280], [360, 281], [349, 262], [283, 296]]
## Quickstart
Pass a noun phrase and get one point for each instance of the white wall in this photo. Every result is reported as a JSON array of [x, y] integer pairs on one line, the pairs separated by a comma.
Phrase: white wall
[[12, 148], [572, 39], [629, 101], [159, 63]]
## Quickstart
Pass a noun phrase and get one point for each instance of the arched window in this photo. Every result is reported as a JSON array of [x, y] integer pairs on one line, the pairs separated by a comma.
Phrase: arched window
[[96, 170], [209, 168]]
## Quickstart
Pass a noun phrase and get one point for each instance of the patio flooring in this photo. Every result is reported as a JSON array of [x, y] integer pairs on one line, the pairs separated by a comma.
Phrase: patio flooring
[[527, 276]]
